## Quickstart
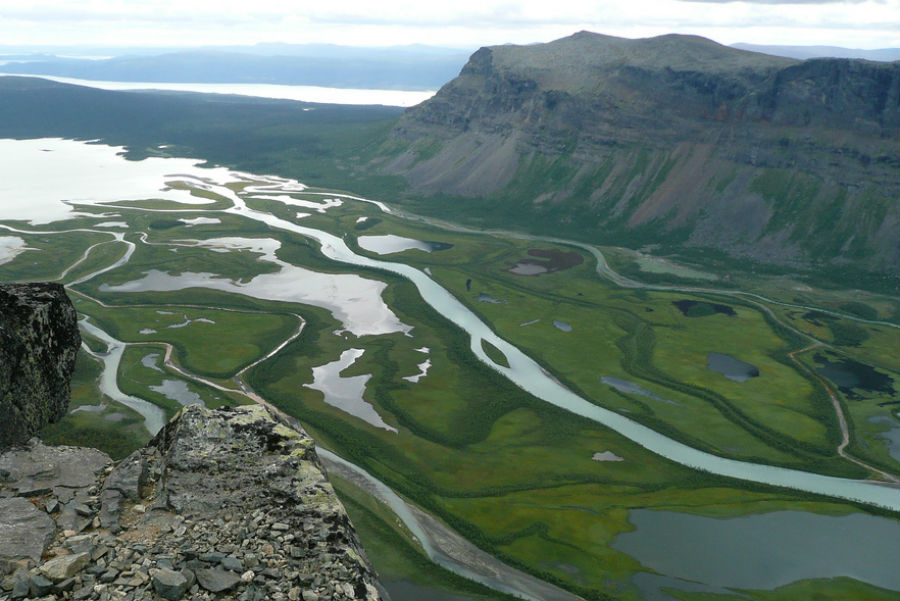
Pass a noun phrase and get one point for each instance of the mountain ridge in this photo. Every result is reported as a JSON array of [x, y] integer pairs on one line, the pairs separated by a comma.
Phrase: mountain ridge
[[673, 138]]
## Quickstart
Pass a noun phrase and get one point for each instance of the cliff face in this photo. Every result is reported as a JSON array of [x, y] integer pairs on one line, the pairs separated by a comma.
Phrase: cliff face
[[39, 342], [673, 138], [222, 504]]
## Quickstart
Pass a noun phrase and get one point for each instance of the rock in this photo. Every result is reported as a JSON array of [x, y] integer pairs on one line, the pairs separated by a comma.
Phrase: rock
[[216, 581], [25, 530], [126, 477], [169, 584], [40, 585], [60, 568], [39, 342], [21, 588], [60, 469], [230, 497], [591, 104]]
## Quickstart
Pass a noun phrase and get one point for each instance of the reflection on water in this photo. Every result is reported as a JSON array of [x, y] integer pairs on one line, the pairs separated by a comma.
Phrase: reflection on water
[[84, 173], [731, 368], [10, 246], [629, 387], [562, 325], [891, 436], [347, 393], [767, 550], [354, 300], [389, 243], [149, 361], [178, 391]]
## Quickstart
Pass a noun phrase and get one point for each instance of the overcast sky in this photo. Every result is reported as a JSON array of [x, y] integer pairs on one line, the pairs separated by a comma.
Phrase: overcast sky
[[465, 23]]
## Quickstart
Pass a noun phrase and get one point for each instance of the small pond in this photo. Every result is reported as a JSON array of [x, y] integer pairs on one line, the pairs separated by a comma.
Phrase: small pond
[[848, 374], [562, 325], [389, 243], [891, 436], [731, 368], [692, 308], [178, 391], [629, 387], [346, 393]]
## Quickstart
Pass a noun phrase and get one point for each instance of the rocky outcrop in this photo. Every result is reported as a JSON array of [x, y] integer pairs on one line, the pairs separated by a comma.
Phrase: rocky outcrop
[[222, 504], [39, 342], [672, 139]]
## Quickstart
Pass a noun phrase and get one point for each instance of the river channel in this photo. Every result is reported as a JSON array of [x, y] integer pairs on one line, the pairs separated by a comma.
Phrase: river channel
[[522, 370]]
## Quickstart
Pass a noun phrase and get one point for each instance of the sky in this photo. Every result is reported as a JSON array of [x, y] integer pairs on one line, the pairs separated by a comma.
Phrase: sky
[[459, 23]]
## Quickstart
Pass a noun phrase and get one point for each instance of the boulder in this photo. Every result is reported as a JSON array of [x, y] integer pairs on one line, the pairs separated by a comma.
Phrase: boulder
[[39, 342], [25, 530]]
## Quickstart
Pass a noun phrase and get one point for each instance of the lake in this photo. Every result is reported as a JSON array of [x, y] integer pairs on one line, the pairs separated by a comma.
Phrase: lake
[[766, 550], [261, 90]]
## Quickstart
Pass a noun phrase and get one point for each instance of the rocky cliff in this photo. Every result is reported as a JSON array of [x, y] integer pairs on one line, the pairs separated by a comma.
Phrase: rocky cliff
[[39, 342], [673, 139], [222, 504]]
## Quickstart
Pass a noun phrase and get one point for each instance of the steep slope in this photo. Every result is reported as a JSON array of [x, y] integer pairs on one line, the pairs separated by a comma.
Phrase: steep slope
[[673, 139]]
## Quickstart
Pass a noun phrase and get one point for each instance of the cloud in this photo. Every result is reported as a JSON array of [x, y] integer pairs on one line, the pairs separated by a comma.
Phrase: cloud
[[862, 23], [806, 2]]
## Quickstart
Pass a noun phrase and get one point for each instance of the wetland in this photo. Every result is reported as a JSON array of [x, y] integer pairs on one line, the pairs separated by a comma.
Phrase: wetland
[[508, 435]]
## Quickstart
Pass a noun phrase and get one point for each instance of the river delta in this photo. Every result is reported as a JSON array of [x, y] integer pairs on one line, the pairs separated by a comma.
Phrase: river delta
[[400, 346]]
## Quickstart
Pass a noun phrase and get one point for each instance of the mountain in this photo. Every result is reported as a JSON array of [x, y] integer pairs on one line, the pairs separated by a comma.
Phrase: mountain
[[672, 140], [805, 52], [404, 67]]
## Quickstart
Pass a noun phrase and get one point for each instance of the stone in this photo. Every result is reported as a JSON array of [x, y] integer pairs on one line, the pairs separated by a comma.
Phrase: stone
[[60, 568], [63, 470], [169, 584], [231, 563], [40, 585], [216, 581], [126, 477], [25, 530], [39, 342], [21, 589]]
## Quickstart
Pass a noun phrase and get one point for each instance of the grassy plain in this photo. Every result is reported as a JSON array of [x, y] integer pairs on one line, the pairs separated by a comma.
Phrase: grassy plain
[[512, 474]]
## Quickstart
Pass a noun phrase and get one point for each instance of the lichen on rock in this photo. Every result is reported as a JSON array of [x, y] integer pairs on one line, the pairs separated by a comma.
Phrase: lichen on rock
[[221, 504], [39, 343]]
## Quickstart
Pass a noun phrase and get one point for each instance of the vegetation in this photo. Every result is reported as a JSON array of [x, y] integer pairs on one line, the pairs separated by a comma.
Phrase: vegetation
[[515, 475]]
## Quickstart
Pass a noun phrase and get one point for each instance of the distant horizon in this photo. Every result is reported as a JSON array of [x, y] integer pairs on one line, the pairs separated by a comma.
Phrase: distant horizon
[[53, 49], [855, 24]]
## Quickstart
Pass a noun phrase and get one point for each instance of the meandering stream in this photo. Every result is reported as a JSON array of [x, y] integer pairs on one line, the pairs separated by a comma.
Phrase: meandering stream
[[440, 543]]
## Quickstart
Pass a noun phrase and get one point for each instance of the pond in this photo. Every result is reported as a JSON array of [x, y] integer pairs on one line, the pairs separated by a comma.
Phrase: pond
[[354, 300], [389, 243], [629, 387], [562, 325], [692, 308], [848, 374], [766, 550], [891, 436], [346, 393], [178, 391], [731, 368]]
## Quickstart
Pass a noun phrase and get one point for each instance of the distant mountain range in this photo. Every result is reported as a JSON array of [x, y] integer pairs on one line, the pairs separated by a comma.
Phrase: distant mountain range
[[399, 67], [805, 52], [675, 140]]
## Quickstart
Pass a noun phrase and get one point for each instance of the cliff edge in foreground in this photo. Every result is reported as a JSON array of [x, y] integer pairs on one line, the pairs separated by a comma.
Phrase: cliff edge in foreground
[[39, 342], [222, 504]]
